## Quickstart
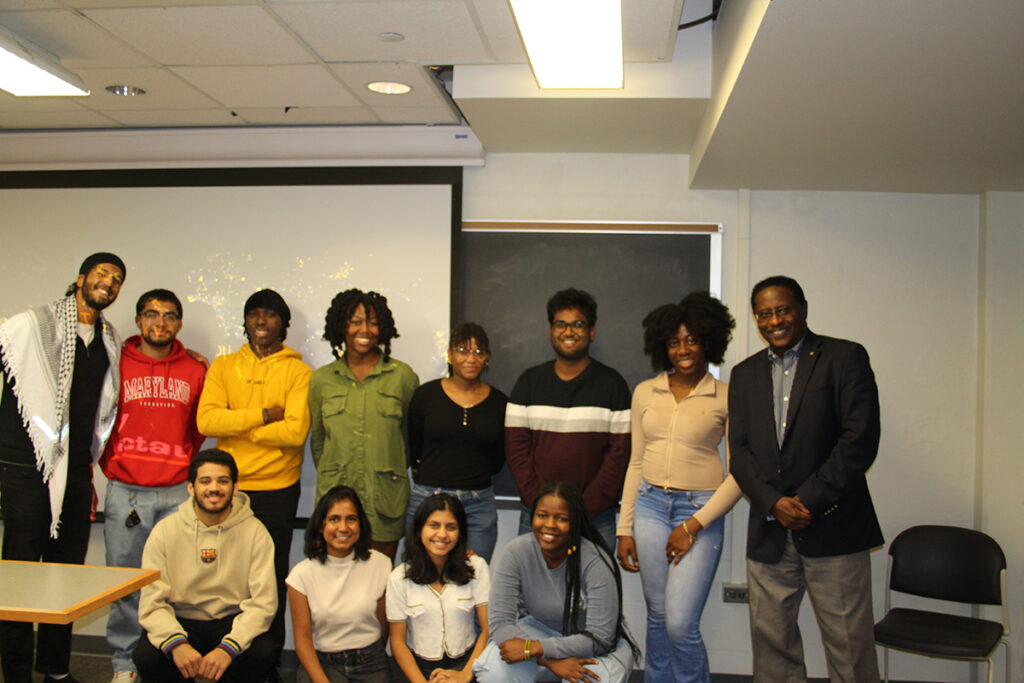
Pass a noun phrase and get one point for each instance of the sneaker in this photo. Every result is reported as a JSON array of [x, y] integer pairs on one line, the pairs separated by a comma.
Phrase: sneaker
[[67, 679], [124, 677]]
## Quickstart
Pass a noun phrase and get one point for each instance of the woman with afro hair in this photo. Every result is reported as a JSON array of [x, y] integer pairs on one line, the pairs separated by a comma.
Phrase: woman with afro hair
[[676, 490], [357, 406]]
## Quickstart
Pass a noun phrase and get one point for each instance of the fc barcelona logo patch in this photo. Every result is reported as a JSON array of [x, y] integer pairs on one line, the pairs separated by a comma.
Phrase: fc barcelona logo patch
[[208, 555]]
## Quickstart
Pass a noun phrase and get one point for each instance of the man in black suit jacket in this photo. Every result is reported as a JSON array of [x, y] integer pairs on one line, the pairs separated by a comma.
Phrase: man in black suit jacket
[[804, 428]]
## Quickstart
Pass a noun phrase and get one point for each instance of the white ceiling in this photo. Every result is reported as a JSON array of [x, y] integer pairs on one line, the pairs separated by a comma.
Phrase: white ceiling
[[915, 95]]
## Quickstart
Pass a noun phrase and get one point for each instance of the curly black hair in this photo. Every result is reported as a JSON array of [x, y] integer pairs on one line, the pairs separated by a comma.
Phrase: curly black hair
[[315, 547], [573, 298], [705, 317], [344, 305]]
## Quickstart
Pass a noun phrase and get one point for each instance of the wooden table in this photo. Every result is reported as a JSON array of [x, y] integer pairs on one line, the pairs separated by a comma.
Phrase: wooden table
[[49, 593]]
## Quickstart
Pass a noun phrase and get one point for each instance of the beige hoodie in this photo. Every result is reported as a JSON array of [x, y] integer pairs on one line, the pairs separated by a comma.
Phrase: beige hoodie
[[209, 572]]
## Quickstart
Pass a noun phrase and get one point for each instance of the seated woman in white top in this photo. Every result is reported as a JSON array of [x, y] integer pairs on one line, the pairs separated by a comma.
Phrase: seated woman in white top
[[435, 593], [564, 578], [337, 596]]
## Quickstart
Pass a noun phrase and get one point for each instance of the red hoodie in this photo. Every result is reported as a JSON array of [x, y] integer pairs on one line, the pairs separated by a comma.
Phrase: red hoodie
[[155, 433]]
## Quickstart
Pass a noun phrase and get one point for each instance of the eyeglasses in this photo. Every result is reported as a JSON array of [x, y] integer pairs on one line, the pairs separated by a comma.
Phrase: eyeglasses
[[577, 325], [767, 314], [152, 316], [463, 351]]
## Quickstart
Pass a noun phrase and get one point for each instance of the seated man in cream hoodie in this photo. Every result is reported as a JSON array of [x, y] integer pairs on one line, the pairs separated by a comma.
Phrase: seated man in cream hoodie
[[208, 614]]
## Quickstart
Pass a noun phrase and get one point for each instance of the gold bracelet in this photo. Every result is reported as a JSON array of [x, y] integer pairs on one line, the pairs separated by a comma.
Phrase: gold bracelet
[[526, 650], [693, 539]]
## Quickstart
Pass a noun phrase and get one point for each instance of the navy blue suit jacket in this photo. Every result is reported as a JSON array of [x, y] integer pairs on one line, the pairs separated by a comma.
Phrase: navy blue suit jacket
[[831, 440]]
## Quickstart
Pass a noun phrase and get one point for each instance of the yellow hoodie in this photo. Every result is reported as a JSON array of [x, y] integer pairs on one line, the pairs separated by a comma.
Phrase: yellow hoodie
[[238, 387]]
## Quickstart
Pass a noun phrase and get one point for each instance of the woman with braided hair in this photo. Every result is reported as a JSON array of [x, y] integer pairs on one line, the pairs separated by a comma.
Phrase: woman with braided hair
[[565, 578], [357, 406]]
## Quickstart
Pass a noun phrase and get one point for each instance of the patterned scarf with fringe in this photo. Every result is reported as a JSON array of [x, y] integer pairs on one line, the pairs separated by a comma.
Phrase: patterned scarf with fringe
[[38, 349]]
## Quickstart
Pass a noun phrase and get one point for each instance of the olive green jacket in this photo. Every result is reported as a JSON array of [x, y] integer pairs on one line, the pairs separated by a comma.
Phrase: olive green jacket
[[357, 438]]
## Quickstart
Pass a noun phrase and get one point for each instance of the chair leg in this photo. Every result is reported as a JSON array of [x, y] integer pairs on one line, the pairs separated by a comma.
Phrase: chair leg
[[1009, 659], [885, 663]]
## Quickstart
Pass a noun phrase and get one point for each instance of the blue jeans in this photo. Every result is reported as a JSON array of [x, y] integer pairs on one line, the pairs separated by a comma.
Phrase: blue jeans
[[481, 515], [489, 667], [124, 549], [604, 522], [675, 649]]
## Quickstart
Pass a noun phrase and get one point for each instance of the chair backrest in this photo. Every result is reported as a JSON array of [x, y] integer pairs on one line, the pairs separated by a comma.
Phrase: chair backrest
[[947, 563]]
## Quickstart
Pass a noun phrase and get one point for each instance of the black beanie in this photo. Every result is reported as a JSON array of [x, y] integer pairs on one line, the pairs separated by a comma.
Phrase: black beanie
[[268, 298], [102, 257]]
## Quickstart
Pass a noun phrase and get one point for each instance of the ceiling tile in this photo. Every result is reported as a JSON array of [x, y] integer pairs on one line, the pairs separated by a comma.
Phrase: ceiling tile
[[649, 29], [204, 35], [499, 30], [425, 91], [308, 115], [6, 5], [436, 31], [73, 38], [174, 118], [163, 89], [54, 119], [94, 4], [269, 86], [417, 115]]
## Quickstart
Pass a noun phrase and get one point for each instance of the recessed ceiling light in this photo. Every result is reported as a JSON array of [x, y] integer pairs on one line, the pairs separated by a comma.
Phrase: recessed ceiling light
[[125, 90], [389, 87], [390, 37]]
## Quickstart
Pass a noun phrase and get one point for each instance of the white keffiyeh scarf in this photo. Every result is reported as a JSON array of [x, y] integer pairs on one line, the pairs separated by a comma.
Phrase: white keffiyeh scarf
[[39, 353]]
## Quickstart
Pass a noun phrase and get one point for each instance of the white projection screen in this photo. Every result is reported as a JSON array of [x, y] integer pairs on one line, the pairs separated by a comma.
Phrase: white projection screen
[[215, 236]]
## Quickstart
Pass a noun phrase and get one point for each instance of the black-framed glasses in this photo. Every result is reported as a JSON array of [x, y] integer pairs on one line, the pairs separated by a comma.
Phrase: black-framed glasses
[[169, 317], [578, 325]]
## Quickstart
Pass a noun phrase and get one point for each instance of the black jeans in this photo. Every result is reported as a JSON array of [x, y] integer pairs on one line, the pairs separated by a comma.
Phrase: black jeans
[[276, 509], [253, 664], [363, 665], [25, 501], [452, 663]]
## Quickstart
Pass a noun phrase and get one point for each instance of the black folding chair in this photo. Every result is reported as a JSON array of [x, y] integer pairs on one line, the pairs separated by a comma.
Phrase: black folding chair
[[952, 564]]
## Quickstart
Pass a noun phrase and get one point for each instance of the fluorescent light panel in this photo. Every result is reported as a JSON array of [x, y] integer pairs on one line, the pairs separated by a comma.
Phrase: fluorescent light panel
[[25, 71], [572, 43]]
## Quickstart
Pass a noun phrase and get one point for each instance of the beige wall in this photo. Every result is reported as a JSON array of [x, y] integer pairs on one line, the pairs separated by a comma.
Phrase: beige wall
[[900, 273], [1000, 495]]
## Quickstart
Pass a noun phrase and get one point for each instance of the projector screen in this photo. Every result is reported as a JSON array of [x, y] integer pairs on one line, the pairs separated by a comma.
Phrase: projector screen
[[217, 243]]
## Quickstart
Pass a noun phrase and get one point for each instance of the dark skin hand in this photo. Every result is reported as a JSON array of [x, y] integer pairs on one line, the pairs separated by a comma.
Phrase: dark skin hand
[[791, 513], [626, 553], [572, 669], [512, 650], [679, 541], [274, 414]]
